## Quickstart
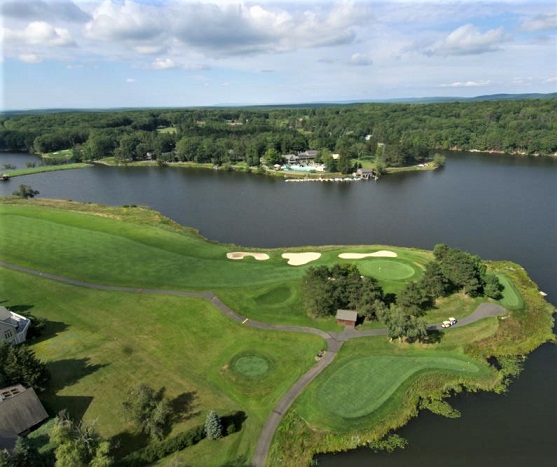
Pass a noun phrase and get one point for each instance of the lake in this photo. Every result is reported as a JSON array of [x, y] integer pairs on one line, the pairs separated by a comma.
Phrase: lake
[[499, 207]]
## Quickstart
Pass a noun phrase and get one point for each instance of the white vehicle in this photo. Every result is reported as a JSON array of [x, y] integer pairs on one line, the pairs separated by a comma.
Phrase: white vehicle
[[450, 322]]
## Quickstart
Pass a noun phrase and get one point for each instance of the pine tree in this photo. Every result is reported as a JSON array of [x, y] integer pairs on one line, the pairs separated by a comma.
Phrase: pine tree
[[213, 427]]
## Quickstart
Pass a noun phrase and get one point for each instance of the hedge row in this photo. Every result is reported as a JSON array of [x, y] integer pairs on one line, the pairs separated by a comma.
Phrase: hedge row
[[154, 452]]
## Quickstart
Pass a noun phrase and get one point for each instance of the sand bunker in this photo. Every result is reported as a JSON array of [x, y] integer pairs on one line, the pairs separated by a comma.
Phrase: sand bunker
[[243, 254], [298, 259], [381, 254]]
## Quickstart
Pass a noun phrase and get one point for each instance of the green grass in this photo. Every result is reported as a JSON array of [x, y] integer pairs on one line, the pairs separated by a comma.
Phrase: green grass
[[47, 168], [67, 153], [511, 297], [361, 386], [98, 344], [386, 269]]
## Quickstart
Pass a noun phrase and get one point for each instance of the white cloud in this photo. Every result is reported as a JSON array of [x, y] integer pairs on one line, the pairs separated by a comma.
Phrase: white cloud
[[467, 84], [359, 59], [30, 58], [130, 80], [163, 64], [468, 40], [551, 79], [539, 22], [38, 33]]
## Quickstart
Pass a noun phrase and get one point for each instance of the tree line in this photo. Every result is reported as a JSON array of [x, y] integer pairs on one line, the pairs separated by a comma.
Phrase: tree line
[[341, 286], [394, 135]]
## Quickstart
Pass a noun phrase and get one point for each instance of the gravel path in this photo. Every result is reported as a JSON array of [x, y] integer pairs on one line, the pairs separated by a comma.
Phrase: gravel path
[[334, 341]]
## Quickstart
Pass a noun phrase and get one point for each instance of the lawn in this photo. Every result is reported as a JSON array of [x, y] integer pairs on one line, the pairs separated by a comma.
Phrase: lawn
[[352, 393], [47, 168], [136, 247], [98, 344], [511, 297]]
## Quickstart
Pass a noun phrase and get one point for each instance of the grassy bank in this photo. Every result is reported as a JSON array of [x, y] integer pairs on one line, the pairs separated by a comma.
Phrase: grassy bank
[[46, 168]]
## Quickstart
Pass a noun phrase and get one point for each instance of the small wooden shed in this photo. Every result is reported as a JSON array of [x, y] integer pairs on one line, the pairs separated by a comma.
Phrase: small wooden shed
[[347, 317]]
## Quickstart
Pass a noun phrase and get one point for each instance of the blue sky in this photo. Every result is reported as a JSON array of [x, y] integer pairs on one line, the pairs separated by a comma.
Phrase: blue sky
[[149, 53]]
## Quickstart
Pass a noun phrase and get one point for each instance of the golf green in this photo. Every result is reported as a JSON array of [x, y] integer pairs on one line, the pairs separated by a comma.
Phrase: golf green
[[250, 365], [386, 269], [361, 386]]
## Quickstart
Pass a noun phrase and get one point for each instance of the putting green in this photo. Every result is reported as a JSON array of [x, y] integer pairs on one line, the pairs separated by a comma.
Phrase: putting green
[[511, 297], [361, 386], [251, 365], [386, 269]]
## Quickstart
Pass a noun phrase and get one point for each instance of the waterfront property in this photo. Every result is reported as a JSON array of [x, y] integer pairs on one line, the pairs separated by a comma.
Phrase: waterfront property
[[13, 327]]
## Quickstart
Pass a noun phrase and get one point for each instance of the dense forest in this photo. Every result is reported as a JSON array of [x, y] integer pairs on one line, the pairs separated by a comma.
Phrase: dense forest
[[394, 135]]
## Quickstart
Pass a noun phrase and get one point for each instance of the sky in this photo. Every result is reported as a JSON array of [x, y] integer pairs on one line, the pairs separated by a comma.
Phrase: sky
[[181, 53]]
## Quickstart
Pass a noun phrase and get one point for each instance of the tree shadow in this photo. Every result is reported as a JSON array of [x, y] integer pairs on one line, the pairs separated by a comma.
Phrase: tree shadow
[[434, 336], [69, 371], [233, 423], [389, 299], [126, 443], [183, 407], [76, 406]]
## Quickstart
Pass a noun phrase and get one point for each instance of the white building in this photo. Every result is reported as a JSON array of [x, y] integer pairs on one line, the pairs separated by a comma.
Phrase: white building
[[13, 327]]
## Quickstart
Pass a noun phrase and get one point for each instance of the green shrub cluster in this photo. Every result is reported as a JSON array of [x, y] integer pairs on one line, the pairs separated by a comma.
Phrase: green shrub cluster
[[156, 451]]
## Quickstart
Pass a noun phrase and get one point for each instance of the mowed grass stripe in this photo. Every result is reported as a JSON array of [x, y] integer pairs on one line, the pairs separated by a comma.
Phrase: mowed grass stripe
[[511, 297], [361, 386], [117, 256]]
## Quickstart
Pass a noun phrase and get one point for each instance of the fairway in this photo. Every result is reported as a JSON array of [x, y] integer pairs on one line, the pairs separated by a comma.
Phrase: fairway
[[361, 386], [511, 297], [386, 269]]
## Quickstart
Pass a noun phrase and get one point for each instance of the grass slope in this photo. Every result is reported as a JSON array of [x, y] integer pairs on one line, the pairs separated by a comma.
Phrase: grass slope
[[99, 344]]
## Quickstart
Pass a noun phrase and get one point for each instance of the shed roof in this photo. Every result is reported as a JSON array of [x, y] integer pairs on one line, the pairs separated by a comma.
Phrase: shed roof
[[347, 315], [21, 411]]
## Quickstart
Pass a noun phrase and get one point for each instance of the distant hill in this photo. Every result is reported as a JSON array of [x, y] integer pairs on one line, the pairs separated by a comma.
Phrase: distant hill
[[402, 100]]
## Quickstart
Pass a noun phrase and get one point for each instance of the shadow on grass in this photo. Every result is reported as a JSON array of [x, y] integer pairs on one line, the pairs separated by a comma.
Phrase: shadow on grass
[[434, 336], [76, 406], [125, 443], [69, 371], [233, 423], [183, 407]]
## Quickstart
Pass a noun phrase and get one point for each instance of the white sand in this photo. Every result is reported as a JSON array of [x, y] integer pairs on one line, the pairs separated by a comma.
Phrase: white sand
[[298, 259], [243, 254], [381, 254]]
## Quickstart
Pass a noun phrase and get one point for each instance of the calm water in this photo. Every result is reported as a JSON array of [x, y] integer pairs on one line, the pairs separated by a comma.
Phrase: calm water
[[499, 207]]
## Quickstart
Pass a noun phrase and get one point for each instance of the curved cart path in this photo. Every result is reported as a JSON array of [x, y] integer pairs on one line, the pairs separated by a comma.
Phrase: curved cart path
[[334, 341]]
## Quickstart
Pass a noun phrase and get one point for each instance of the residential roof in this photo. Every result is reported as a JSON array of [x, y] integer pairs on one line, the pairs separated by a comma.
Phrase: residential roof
[[347, 315], [5, 314], [7, 440], [20, 411]]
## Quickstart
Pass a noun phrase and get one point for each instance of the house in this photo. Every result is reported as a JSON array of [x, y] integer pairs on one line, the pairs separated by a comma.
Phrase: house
[[290, 158], [20, 411], [308, 155], [366, 174], [13, 327], [347, 317]]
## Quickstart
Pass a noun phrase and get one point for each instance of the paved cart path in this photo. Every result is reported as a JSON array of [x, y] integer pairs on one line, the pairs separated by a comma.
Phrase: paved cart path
[[334, 341]]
